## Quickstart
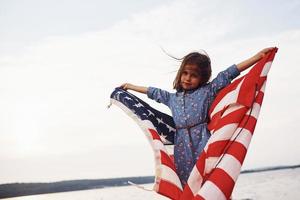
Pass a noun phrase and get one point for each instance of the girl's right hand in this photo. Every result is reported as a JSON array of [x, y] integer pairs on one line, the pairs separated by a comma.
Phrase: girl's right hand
[[126, 86]]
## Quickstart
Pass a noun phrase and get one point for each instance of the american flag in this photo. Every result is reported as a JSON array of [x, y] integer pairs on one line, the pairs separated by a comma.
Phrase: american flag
[[233, 116]]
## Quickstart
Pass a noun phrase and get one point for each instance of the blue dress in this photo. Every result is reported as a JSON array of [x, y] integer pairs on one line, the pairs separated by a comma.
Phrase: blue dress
[[190, 113]]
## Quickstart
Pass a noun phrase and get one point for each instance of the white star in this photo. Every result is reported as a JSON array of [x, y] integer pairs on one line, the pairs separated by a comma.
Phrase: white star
[[164, 140], [150, 113], [170, 128], [160, 120], [132, 96], [118, 94], [128, 98], [138, 105]]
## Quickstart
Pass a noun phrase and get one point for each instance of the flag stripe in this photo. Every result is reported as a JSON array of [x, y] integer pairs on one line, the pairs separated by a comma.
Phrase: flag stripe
[[222, 181], [154, 134], [169, 175], [166, 160], [169, 190], [211, 191]]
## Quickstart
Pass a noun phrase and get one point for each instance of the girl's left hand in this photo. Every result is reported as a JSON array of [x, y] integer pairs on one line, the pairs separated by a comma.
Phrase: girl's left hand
[[263, 52]]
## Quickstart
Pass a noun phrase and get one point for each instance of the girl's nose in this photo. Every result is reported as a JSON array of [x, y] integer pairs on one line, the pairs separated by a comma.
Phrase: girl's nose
[[188, 77]]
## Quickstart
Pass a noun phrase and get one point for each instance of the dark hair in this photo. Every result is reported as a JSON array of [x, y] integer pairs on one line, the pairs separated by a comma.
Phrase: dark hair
[[201, 61]]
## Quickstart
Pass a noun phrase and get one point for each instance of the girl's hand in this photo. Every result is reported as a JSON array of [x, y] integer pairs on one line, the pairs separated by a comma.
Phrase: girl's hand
[[126, 86], [263, 52], [250, 61]]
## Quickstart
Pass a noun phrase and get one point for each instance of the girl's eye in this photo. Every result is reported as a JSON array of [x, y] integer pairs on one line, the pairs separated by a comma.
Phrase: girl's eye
[[194, 75], [184, 73]]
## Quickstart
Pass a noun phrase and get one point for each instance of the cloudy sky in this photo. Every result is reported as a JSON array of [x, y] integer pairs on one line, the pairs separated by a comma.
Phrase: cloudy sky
[[60, 60]]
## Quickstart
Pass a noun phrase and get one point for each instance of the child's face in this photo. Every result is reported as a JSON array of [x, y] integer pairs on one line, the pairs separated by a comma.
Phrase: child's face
[[190, 78]]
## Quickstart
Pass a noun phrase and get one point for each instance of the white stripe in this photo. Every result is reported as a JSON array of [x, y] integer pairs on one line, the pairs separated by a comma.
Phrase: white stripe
[[170, 149], [266, 69], [229, 98], [263, 87], [210, 163], [231, 166], [255, 110], [232, 108], [244, 137], [158, 145], [210, 191], [169, 175], [223, 133], [147, 124], [195, 181]]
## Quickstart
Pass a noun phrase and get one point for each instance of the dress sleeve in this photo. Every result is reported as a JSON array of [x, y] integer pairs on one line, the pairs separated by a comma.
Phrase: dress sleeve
[[223, 79], [159, 95]]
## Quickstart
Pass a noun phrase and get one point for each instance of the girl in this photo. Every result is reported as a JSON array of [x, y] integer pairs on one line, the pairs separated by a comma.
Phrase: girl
[[190, 104]]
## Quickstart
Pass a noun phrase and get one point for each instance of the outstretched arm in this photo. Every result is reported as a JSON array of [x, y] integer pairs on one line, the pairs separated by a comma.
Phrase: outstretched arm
[[128, 86], [249, 62]]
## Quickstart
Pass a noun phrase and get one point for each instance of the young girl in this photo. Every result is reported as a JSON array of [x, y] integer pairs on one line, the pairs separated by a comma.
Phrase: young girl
[[190, 104]]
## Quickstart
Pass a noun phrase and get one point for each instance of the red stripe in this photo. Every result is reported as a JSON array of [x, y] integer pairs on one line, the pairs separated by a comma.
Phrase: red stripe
[[251, 84], [249, 123], [216, 149], [261, 81], [270, 56], [172, 158], [166, 160], [233, 117], [223, 181], [154, 134], [259, 97], [234, 148], [198, 197], [238, 151], [169, 190], [187, 193], [249, 88], [200, 164], [224, 92]]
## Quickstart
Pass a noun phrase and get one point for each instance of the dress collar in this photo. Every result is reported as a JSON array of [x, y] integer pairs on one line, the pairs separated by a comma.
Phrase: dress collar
[[183, 92]]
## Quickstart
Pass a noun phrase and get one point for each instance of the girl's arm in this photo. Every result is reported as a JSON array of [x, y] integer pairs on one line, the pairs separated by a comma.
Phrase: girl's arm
[[128, 86], [249, 62]]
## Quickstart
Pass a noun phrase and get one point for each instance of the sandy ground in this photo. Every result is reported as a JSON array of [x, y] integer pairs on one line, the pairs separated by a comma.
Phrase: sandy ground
[[280, 184]]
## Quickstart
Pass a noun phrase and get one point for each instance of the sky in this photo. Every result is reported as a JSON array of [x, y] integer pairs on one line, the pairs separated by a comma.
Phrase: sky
[[60, 60]]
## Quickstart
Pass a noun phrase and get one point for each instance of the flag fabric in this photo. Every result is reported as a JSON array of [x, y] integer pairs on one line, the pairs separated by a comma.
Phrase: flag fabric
[[233, 116]]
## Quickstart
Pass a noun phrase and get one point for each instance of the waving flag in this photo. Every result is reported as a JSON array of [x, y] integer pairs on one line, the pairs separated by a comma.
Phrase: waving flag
[[233, 116]]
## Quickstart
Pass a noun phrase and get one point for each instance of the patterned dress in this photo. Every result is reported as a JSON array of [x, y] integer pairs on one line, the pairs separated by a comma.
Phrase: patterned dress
[[190, 112]]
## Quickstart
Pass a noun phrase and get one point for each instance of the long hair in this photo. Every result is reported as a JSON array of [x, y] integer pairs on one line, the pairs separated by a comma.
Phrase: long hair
[[202, 62]]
